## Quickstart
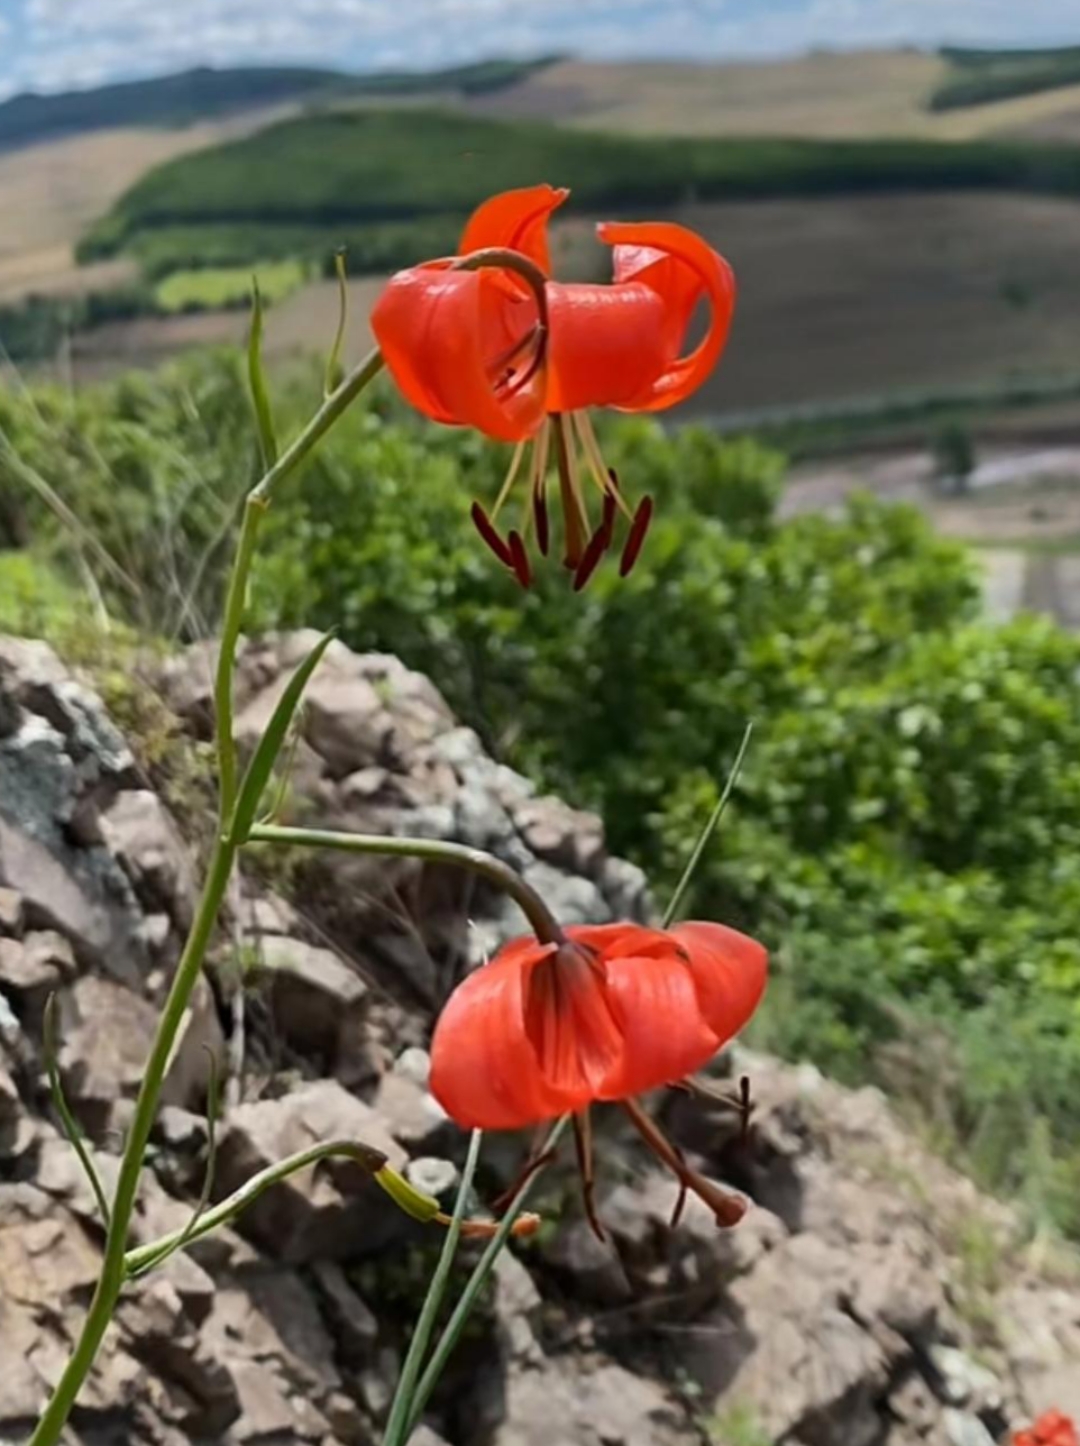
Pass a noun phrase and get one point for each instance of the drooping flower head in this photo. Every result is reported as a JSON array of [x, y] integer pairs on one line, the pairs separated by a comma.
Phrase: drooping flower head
[[606, 1014], [482, 348], [1053, 1428]]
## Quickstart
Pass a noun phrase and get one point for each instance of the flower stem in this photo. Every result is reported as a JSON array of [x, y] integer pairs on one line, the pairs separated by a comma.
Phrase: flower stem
[[113, 1272], [484, 1266], [145, 1256], [434, 851], [398, 1426], [113, 1268], [235, 601]]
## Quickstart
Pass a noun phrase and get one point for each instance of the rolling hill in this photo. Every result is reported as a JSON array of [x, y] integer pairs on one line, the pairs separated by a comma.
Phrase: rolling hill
[[206, 94]]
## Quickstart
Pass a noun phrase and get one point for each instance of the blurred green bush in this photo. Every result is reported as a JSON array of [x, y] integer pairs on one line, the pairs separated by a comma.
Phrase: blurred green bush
[[906, 833]]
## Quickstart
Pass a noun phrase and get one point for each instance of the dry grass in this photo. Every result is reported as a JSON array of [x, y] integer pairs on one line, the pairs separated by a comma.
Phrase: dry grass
[[859, 95], [857, 296], [49, 193]]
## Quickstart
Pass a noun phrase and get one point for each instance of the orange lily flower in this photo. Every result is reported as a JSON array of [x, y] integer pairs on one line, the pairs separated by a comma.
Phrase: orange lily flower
[[605, 1014], [1053, 1428], [481, 348]]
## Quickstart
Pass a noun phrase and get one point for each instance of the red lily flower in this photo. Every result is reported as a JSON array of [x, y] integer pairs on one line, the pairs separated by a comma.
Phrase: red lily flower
[[480, 348], [606, 1014], [1053, 1428]]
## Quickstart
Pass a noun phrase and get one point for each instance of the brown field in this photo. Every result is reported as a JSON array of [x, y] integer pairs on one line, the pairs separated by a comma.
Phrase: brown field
[[49, 194], [856, 95], [839, 298]]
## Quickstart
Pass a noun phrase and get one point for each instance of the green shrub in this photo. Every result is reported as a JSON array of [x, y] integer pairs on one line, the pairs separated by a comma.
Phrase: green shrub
[[906, 834]]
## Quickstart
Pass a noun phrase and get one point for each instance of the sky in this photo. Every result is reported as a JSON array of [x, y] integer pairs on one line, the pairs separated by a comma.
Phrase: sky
[[62, 44]]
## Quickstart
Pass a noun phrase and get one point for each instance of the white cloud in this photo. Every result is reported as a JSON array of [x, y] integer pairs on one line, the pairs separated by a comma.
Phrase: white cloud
[[56, 43]]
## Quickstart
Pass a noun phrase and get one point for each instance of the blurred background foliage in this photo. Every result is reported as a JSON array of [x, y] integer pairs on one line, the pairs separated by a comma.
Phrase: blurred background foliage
[[906, 832]]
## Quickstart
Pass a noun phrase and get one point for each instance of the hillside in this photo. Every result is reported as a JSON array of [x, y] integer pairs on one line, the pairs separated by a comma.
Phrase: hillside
[[826, 94], [869, 1284], [347, 169], [205, 94]]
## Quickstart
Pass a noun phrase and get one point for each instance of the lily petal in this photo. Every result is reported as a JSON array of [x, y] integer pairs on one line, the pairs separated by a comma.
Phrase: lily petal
[[443, 334], [484, 1070], [516, 220], [729, 970], [659, 1014], [681, 269], [608, 344]]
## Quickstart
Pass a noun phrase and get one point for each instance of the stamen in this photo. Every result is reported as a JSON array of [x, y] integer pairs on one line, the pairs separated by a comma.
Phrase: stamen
[[727, 1207], [519, 559], [574, 518], [598, 545], [482, 523], [508, 482], [501, 367], [528, 1170], [638, 528], [540, 515], [605, 476], [680, 1206], [538, 485], [584, 1142], [611, 499], [535, 362]]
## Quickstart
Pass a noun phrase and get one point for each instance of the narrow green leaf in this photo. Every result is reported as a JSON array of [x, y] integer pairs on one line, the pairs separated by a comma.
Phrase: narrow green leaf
[[257, 380], [708, 831], [67, 1119], [333, 361], [270, 744]]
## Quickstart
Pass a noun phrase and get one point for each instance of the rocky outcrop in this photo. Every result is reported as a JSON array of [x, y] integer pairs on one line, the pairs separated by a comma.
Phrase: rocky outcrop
[[870, 1296]]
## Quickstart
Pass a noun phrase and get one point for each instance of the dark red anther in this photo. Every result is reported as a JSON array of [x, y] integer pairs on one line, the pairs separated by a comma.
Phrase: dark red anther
[[607, 524], [598, 545], [519, 560], [680, 1206], [634, 543], [486, 528], [540, 516]]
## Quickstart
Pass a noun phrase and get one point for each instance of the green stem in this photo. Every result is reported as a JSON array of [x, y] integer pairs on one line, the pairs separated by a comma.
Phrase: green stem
[[230, 632], [113, 1268], [397, 1428], [113, 1272], [475, 1284], [433, 850], [331, 409], [145, 1256]]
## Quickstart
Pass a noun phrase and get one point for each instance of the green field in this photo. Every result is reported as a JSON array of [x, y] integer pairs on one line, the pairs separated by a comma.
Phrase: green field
[[210, 287], [339, 172]]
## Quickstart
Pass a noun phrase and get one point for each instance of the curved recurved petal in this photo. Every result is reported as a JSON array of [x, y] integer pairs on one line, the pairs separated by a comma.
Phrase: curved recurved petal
[[729, 970], [514, 219], [659, 1014], [607, 344], [446, 336], [681, 269], [484, 1070]]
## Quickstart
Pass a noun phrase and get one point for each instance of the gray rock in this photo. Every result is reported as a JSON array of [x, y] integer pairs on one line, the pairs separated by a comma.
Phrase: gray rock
[[433, 1176], [12, 915], [331, 1212], [413, 1116], [584, 1403], [140, 832], [355, 1326], [317, 999]]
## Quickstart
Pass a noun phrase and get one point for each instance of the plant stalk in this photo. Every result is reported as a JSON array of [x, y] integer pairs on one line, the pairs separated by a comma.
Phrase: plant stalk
[[437, 851], [397, 1427]]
